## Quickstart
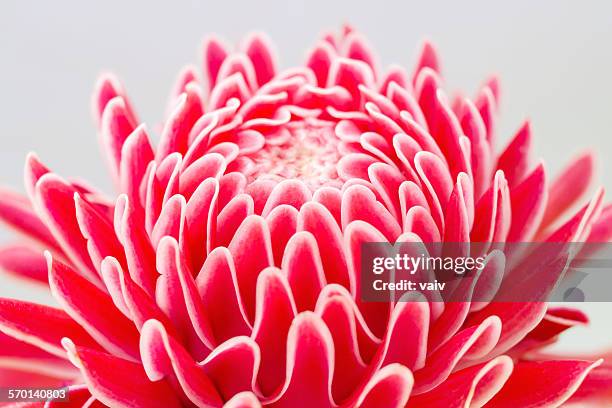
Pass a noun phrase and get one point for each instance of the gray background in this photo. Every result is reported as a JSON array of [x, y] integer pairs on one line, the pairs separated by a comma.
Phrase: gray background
[[554, 59]]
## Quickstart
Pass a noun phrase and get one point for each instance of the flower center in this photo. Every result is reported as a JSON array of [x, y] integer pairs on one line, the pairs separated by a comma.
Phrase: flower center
[[306, 150]]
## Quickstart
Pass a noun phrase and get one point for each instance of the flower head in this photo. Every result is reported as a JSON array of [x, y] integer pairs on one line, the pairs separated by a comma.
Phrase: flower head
[[227, 269]]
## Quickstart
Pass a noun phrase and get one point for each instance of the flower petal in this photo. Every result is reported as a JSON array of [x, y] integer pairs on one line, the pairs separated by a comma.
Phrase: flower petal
[[79, 298], [164, 357], [100, 370], [546, 383]]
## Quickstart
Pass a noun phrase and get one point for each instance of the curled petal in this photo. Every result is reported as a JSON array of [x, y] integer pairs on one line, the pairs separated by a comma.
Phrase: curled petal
[[310, 364], [275, 310], [100, 370], [233, 365], [251, 249], [547, 383], [389, 387], [470, 387], [164, 357]]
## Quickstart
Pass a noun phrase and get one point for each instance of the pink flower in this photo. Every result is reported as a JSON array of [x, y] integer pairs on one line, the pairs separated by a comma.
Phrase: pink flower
[[227, 270]]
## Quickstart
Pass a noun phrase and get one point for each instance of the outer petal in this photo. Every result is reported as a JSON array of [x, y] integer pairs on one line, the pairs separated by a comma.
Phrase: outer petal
[[163, 356], [548, 383], [93, 309], [100, 373]]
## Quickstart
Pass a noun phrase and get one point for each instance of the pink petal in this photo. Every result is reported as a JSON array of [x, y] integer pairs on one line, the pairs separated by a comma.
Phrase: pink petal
[[548, 383], [78, 297], [427, 58], [349, 368], [357, 48], [230, 185], [457, 222], [259, 49], [291, 192], [232, 366], [164, 357], [218, 289], [309, 364], [23, 261], [251, 250], [130, 298], [317, 220], [100, 370], [282, 222], [99, 233], [409, 324], [319, 61], [517, 319], [200, 221], [179, 299], [243, 400], [54, 203], [437, 181], [331, 199], [136, 154], [569, 187], [17, 214], [171, 221], [395, 74], [359, 203], [115, 128], [492, 214], [475, 341], [485, 102], [187, 76], [349, 74], [528, 200], [275, 310], [214, 53], [578, 227], [470, 387], [481, 161], [139, 253], [108, 87], [556, 321], [387, 179], [302, 264], [260, 190], [389, 387], [601, 231], [514, 160], [41, 326], [419, 221], [175, 135], [210, 165], [238, 64], [233, 86], [405, 101], [442, 122], [355, 165], [355, 234]]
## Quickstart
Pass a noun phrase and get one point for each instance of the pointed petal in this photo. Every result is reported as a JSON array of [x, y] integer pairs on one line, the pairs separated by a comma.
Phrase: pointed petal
[[260, 51], [80, 298], [41, 326]]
